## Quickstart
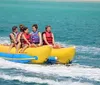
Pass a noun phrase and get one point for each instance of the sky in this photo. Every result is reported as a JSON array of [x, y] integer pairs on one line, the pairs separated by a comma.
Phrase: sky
[[68, 0]]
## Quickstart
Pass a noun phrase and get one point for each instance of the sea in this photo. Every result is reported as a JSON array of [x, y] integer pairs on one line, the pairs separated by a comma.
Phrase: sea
[[73, 24]]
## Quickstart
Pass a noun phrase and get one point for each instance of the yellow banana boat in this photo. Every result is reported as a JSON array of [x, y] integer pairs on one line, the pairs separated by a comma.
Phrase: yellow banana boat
[[63, 55], [42, 52]]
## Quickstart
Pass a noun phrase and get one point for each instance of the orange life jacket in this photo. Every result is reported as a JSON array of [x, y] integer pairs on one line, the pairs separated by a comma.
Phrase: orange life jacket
[[27, 36], [49, 38]]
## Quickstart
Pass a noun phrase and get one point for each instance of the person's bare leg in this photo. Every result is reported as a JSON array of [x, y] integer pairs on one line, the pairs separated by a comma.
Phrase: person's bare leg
[[24, 48], [10, 47], [33, 45], [18, 47], [57, 46]]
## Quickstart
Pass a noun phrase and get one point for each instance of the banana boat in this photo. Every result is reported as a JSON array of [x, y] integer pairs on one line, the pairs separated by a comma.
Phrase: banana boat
[[62, 55]]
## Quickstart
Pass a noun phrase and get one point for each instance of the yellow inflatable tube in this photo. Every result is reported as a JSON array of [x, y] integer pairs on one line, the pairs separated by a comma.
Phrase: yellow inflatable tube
[[42, 52], [64, 55]]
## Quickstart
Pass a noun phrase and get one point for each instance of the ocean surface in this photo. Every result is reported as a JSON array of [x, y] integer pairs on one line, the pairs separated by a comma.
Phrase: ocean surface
[[73, 24]]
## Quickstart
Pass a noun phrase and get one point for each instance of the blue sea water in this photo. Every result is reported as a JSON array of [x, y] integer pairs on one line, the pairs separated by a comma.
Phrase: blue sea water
[[73, 23]]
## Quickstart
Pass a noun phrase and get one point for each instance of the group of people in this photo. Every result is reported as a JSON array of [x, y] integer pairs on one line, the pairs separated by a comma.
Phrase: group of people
[[24, 39]]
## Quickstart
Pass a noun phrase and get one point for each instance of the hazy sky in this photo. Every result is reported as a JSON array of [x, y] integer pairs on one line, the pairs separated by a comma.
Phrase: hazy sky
[[67, 0]]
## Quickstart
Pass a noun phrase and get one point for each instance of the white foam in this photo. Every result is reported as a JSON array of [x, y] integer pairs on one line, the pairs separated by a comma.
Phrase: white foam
[[88, 49], [58, 70], [87, 58], [22, 78], [72, 71], [83, 49], [4, 40]]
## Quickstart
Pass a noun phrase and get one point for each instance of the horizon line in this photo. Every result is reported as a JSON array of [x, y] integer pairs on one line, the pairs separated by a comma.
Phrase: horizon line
[[66, 0]]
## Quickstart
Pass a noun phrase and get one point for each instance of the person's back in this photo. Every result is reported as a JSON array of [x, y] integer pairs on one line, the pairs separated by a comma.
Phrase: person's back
[[19, 37]]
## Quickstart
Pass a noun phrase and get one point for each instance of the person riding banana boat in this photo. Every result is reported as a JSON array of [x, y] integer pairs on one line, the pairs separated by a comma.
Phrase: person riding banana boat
[[19, 38], [26, 39], [43, 54], [48, 38], [13, 37], [36, 38]]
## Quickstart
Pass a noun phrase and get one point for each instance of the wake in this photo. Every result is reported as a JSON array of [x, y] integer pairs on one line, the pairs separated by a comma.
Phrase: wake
[[75, 71], [41, 81]]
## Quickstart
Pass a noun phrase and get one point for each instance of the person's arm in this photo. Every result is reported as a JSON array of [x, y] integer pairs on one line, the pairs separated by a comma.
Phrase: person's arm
[[31, 37], [25, 39], [40, 37], [12, 36], [53, 39], [44, 38]]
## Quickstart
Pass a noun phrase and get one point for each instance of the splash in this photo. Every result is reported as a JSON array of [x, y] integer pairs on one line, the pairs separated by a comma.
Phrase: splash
[[4, 40], [40, 81], [83, 49], [76, 71]]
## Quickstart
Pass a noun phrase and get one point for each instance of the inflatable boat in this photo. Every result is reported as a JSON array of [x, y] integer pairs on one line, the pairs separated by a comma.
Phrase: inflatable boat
[[39, 55]]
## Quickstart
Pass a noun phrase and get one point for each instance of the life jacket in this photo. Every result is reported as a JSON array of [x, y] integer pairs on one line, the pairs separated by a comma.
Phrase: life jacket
[[15, 36], [27, 36], [49, 37], [35, 37]]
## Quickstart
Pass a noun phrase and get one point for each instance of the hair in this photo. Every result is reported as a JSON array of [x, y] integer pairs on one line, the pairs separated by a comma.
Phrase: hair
[[21, 26], [14, 28], [47, 27], [25, 28], [35, 25]]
